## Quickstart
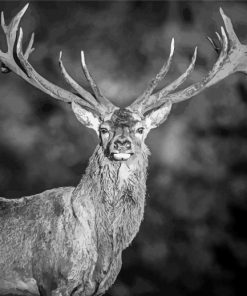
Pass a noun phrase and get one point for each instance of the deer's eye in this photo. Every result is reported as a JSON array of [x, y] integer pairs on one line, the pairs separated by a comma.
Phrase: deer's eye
[[140, 130], [104, 131]]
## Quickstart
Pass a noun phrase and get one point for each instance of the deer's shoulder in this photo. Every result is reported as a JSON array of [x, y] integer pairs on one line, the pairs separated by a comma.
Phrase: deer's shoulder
[[57, 199]]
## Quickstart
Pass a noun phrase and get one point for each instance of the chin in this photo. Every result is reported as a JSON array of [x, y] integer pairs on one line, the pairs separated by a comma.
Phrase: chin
[[121, 156]]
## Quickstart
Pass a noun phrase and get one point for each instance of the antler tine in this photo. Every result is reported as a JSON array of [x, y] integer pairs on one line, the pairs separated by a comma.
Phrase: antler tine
[[219, 37], [161, 75], [10, 33], [80, 90], [229, 28], [3, 22], [182, 78], [29, 48], [11, 30], [142, 100], [37, 80], [232, 58], [101, 99], [199, 86], [14, 60], [213, 43], [154, 99]]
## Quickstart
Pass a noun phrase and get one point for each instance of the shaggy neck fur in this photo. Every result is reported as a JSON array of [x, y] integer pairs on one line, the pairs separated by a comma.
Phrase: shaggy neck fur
[[117, 192]]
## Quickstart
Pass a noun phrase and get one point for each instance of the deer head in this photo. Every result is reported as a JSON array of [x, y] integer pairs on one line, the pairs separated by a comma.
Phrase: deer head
[[122, 131]]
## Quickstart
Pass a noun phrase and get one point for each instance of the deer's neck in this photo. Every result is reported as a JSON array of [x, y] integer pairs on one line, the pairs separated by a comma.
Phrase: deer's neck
[[117, 192]]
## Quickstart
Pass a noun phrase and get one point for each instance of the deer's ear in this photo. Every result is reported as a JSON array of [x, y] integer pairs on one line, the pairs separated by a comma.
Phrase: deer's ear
[[86, 117], [156, 116]]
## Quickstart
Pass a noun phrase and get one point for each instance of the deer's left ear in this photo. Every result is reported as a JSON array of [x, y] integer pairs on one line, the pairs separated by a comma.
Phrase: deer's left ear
[[156, 116], [86, 117]]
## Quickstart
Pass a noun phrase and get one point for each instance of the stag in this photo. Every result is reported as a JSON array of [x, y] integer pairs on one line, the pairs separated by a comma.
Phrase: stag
[[69, 241]]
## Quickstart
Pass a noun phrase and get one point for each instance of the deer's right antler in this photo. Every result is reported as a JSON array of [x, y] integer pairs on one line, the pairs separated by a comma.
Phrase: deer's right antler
[[17, 61]]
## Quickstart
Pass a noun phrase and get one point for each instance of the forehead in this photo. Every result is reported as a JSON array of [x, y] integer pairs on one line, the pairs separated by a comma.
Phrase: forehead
[[122, 117]]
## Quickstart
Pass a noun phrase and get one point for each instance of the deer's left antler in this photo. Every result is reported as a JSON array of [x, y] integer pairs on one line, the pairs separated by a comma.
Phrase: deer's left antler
[[232, 58]]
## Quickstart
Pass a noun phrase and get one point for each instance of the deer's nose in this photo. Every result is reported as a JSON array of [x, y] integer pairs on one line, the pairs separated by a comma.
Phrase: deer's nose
[[124, 144]]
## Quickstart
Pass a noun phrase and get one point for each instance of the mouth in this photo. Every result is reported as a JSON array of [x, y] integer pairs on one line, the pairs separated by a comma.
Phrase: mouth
[[121, 156]]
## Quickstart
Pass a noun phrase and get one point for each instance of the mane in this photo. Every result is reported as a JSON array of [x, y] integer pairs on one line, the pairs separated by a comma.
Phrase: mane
[[117, 191]]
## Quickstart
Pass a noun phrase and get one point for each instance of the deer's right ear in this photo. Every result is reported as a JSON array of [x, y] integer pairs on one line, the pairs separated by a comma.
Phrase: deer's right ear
[[86, 117]]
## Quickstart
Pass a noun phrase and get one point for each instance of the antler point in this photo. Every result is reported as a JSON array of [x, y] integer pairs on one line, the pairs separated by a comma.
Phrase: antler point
[[223, 15], [26, 6], [210, 40], [3, 22], [23, 10], [172, 43], [222, 12], [195, 51], [83, 58]]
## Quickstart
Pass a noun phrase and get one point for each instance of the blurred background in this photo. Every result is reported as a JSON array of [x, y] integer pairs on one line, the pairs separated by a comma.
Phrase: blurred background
[[193, 240]]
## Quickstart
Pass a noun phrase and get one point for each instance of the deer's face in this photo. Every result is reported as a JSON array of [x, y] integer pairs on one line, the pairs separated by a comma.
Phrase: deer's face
[[122, 134], [123, 131]]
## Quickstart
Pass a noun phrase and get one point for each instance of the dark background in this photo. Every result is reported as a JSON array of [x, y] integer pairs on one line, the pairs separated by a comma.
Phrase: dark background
[[193, 240]]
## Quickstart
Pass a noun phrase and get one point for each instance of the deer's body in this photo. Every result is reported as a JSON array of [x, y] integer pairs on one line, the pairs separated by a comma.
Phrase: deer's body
[[28, 232], [72, 237], [69, 241]]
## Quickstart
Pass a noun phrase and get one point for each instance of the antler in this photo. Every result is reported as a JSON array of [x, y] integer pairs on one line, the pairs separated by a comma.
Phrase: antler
[[232, 58], [160, 76], [17, 61]]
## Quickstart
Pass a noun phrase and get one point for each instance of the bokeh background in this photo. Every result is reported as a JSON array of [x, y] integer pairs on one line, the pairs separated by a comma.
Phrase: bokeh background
[[193, 240]]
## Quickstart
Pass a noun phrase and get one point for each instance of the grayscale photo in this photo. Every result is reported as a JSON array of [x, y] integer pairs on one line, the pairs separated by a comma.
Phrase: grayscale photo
[[123, 148]]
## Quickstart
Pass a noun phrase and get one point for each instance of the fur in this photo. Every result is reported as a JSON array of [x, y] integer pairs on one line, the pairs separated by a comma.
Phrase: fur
[[68, 241]]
